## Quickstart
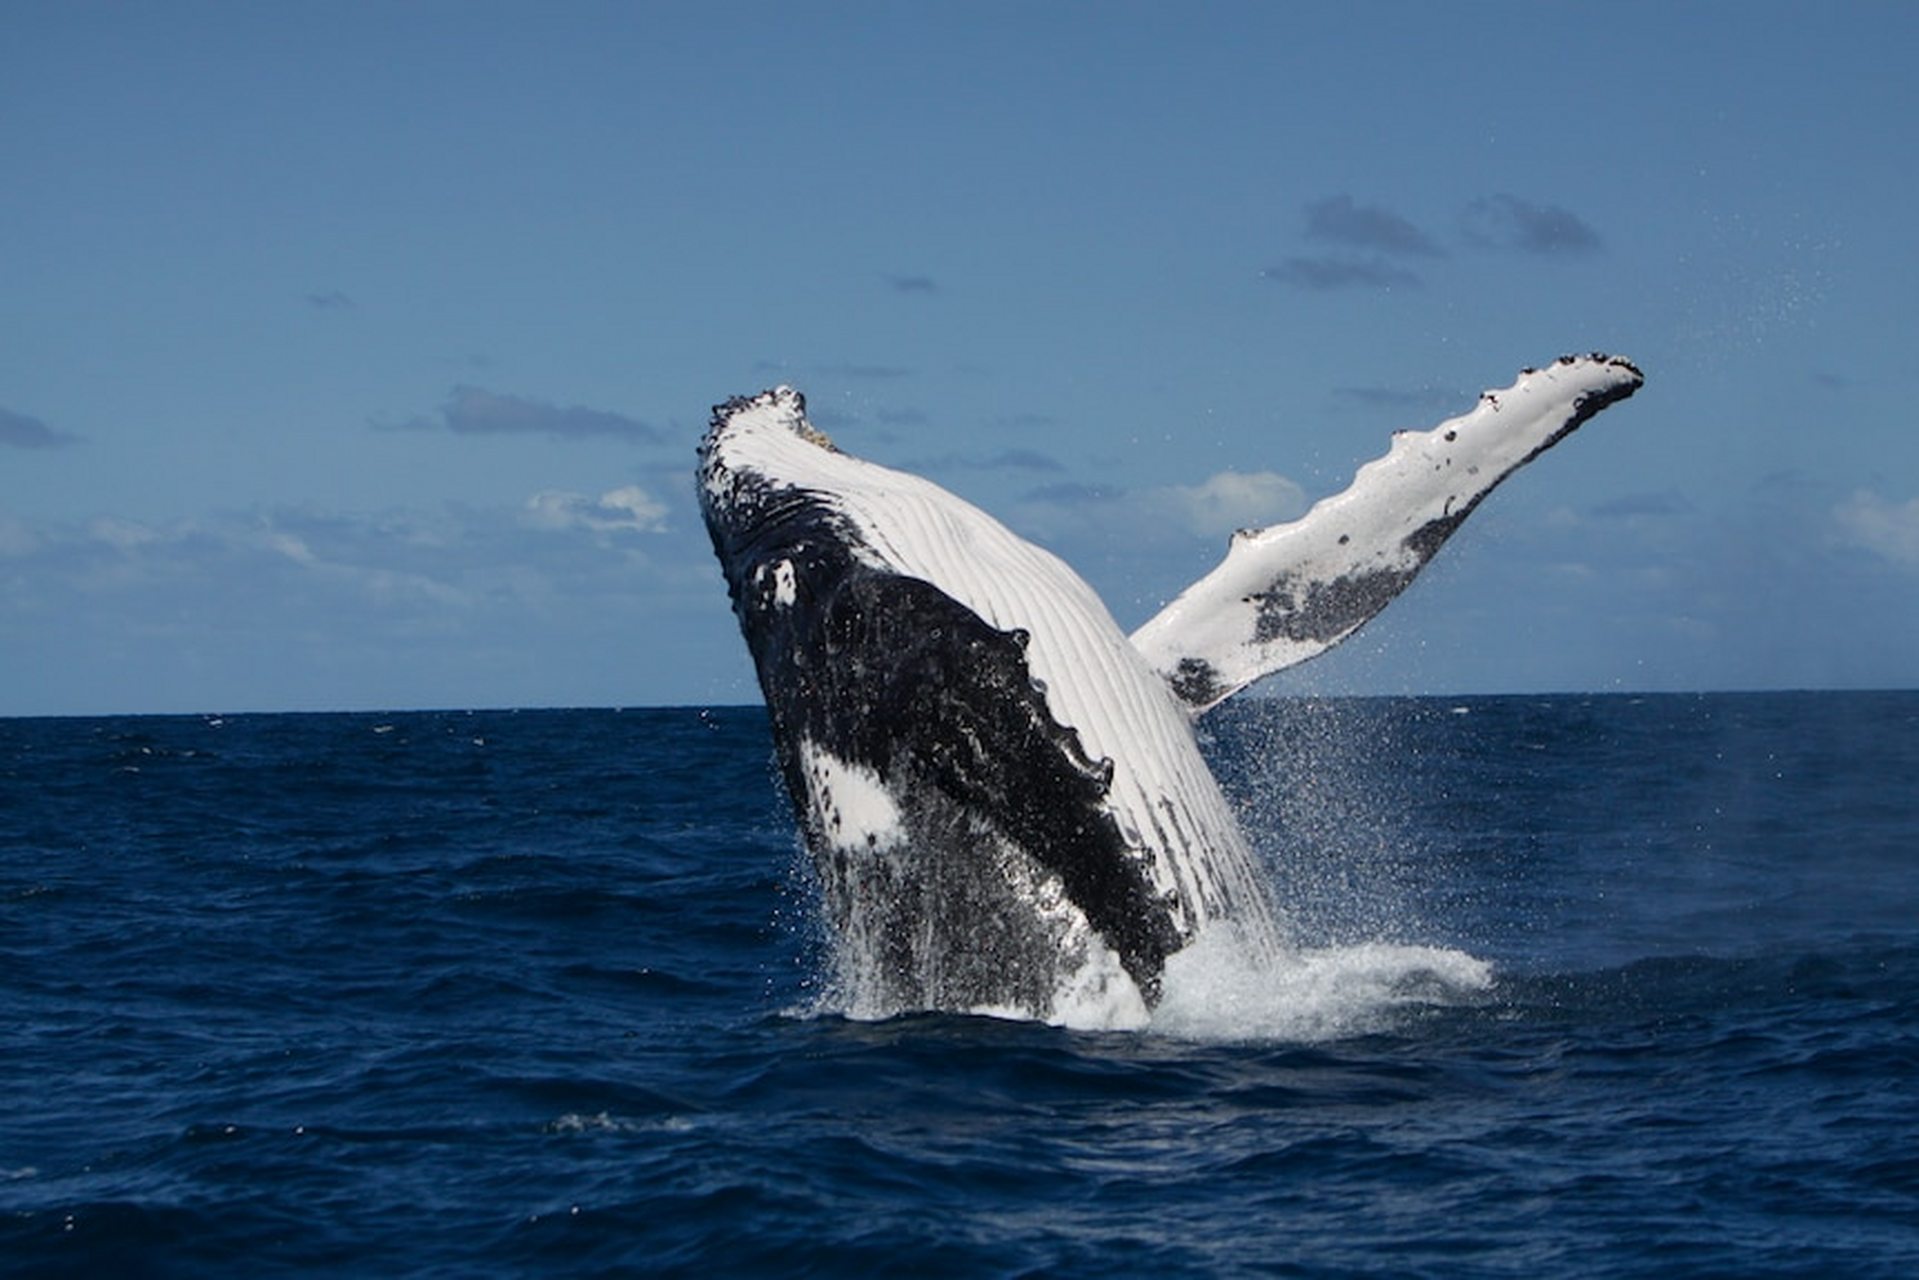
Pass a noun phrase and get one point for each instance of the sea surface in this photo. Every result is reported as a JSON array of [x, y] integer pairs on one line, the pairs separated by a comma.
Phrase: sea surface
[[1585, 986]]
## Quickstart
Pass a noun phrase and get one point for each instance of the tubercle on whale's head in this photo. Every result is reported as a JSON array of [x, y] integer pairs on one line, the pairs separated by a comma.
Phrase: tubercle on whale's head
[[780, 408]]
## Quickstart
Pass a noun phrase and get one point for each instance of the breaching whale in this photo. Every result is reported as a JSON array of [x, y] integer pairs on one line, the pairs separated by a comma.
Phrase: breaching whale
[[1002, 792]]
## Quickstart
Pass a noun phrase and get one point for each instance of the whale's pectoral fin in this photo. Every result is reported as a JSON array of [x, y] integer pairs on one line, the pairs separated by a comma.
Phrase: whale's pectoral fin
[[1289, 592]]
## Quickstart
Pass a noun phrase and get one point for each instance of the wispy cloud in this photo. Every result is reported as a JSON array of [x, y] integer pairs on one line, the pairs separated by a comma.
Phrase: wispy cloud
[[913, 284], [1230, 500], [1023, 460], [1074, 493], [1372, 234], [629, 509], [1026, 420], [1508, 222], [169, 566], [21, 431], [308, 562], [1324, 274], [1015, 460], [1340, 220], [1222, 503], [1886, 528], [333, 300], [1371, 245], [1637, 506], [455, 606], [473, 411]]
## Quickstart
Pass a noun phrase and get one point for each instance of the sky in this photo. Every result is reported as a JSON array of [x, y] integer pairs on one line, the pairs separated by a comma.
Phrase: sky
[[354, 355]]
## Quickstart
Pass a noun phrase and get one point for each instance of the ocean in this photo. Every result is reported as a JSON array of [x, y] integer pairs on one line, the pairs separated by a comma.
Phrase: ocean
[[1583, 986]]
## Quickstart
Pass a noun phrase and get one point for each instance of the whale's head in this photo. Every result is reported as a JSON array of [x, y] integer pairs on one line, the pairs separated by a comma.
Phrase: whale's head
[[767, 480], [768, 486]]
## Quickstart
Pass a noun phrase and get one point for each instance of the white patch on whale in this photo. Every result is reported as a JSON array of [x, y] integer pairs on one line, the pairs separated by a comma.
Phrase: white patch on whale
[[1291, 591], [855, 810]]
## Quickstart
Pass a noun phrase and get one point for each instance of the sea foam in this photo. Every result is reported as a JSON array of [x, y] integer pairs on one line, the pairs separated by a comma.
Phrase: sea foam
[[1219, 990]]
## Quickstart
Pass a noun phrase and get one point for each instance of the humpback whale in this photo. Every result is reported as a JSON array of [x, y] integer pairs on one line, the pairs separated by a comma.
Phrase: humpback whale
[[1001, 791]]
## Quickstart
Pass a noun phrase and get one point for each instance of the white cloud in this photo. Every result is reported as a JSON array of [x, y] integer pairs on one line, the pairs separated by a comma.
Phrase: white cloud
[[121, 535], [1885, 528], [1163, 516], [642, 510], [293, 547], [1231, 500], [629, 508]]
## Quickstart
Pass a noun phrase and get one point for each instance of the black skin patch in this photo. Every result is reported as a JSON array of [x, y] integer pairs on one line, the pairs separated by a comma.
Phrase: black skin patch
[[1195, 681], [892, 674], [1322, 612]]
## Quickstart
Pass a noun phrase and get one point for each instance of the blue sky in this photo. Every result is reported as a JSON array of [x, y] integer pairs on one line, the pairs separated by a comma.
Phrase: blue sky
[[355, 355]]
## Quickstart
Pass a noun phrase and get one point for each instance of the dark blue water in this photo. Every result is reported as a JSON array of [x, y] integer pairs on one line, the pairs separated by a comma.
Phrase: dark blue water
[[535, 994]]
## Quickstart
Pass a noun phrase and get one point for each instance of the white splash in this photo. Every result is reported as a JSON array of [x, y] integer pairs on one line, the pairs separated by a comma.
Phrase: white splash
[[1217, 990]]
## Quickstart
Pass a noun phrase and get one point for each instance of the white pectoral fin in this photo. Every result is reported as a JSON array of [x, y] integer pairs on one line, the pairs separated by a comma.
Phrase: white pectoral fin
[[1291, 591]]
